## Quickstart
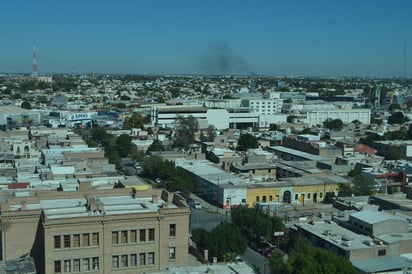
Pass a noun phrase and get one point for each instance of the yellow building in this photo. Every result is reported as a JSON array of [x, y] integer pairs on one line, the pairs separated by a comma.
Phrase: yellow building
[[294, 190]]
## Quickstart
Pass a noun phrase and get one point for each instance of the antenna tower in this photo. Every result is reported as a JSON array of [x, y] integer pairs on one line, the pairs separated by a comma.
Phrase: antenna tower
[[34, 67]]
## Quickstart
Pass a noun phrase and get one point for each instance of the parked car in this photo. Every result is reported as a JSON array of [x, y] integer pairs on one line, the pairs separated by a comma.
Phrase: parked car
[[196, 205], [264, 248]]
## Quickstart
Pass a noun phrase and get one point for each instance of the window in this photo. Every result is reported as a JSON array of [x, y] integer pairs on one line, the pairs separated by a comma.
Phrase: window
[[308, 195], [277, 198], [257, 198], [382, 252], [296, 196], [76, 265], [123, 237], [57, 266], [172, 253], [95, 263], [270, 198], [67, 241], [115, 237], [86, 264], [172, 230], [124, 261], [86, 240], [150, 259], [67, 266], [142, 233], [133, 259], [133, 236], [76, 240], [243, 201], [95, 239], [115, 261], [264, 199], [142, 259], [57, 242], [151, 234], [321, 195]]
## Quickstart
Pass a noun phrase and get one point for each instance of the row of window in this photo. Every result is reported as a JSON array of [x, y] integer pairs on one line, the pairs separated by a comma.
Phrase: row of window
[[138, 235], [76, 240], [264, 197], [133, 236], [141, 259], [76, 265]]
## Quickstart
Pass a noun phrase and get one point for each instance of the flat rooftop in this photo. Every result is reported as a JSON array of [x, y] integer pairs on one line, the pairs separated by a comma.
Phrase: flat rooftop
[[111, 205], [298, 153], [337, 235]]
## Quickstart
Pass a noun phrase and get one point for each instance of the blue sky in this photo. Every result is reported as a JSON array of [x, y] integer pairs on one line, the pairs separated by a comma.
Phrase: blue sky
[[307, 37]]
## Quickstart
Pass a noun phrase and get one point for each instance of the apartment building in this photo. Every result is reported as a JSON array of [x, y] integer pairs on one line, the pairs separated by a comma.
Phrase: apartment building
[[99, 231]]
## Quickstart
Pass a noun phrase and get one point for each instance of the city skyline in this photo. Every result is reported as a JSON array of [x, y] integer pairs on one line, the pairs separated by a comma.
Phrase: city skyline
[[307, 38]]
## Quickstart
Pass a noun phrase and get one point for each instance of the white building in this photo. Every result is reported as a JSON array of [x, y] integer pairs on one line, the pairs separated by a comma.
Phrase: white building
[[263, 106], [347, 116]]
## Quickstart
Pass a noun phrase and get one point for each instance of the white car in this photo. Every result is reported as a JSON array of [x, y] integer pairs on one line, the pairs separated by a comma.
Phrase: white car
[[196, 205]]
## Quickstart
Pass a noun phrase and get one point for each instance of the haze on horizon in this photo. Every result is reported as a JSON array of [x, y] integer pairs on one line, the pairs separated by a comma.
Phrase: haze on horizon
[[298, 37]]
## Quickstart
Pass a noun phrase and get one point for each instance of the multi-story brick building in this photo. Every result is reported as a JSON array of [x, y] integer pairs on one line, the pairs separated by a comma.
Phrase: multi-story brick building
[[99, 231]]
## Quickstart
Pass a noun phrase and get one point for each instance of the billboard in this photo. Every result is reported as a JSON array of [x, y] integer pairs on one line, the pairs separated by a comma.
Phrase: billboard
[[81, 116]]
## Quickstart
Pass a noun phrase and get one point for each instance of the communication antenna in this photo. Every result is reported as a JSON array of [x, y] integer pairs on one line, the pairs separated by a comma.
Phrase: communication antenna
[[34, 67]]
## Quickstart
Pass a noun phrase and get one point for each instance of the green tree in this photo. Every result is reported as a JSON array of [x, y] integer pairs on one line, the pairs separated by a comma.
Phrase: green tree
[[124, 145], [256, 222], [278, 264], [151, 165], [291, 118], [185, 132], [397, 118], [229, 257], [26, 105], [305, 258], [394, 106], [137, 154], [333, 123], [273, 127], [363, 186], [355, 172], [225, 238], [210, 133], [156, 146], [247, 141], [135, 121]]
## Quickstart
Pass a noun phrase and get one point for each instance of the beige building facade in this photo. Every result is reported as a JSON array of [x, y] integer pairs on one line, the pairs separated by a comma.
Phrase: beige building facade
[[99, 231]]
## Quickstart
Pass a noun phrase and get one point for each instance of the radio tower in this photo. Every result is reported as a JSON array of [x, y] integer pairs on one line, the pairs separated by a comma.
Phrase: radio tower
[[34, 67]]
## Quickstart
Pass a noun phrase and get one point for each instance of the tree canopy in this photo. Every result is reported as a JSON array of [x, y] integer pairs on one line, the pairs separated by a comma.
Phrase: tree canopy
[[185, 132], [247, 141], [333, 123], [397, 118], [224, 239], [155, 146], [305, 258], [135, 121], [360, 186], [173, 178], [256, 222]]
